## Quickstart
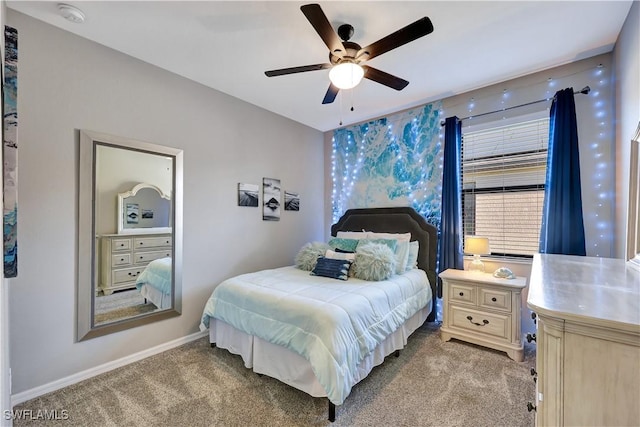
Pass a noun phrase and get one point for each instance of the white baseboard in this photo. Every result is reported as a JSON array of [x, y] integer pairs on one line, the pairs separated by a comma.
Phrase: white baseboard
[[109, 366]]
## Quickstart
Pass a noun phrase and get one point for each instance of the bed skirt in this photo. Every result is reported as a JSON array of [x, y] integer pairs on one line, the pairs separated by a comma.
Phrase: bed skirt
[[158, 299], [291, 368]]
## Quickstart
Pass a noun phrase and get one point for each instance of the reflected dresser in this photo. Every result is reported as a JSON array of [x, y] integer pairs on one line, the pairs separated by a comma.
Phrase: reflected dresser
[[124, 256], [587, 312]]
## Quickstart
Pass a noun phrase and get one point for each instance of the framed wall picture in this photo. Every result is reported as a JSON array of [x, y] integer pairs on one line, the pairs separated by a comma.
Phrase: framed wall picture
[[133, 213], [248, 194], [291, 201], [271, 199]]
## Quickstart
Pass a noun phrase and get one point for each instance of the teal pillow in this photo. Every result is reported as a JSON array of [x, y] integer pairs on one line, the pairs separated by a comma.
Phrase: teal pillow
[[412, 261], [374, 262], [308, 255], [391, 243], [349, 245], [332, 268]]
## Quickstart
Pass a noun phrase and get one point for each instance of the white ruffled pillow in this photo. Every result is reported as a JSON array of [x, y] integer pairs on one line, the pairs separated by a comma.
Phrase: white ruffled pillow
[[374, 262], [307, 257]]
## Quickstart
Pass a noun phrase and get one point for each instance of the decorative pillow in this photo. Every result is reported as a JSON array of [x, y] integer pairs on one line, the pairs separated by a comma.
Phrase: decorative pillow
[[412, 261], [374, 262], [344, 252], [352, 234], [308, 255], [391, 243], [344, 244], [396, 236], [332, 268], [402, 255], [351, 256]]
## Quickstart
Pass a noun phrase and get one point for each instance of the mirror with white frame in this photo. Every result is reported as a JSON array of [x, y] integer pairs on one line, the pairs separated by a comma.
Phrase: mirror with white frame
[[144, 209], [129, 234]]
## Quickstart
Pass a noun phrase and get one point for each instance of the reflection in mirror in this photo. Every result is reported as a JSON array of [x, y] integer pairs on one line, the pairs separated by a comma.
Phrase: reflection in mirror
[[145, 208], [633, 224], [130, 234]]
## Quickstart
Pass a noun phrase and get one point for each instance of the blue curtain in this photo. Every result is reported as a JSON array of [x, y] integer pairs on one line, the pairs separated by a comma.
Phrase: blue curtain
[[450, 242], [562, 229]]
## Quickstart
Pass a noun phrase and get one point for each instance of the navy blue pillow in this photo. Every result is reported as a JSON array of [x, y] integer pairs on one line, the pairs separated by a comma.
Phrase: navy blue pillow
[[332, 268]]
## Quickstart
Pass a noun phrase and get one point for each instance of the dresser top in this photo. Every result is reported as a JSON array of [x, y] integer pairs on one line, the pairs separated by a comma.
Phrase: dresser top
[[590, 290]]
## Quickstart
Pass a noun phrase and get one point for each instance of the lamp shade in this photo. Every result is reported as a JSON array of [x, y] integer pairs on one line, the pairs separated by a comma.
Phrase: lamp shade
[[346, 75], [476, 245]]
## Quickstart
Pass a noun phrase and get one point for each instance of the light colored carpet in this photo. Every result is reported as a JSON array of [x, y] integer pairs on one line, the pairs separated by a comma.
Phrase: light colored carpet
[[120, 305], [431, 383]]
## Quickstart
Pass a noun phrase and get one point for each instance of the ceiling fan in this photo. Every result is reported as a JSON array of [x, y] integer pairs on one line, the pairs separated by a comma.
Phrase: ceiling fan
[[346, 57]]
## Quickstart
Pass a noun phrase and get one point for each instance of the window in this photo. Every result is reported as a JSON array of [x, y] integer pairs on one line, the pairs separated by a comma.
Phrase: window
[[503, 176]]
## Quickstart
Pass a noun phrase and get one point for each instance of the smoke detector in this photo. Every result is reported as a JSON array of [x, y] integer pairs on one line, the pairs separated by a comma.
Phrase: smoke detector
[[71, 13]]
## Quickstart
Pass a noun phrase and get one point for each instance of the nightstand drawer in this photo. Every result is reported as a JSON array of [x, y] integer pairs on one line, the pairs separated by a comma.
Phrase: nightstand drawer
[[462, 293], [492, 324], [491, 298]]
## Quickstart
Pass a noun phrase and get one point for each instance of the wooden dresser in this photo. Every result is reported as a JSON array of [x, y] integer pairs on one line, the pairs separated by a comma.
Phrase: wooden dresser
[[124, 256], [588, 341]]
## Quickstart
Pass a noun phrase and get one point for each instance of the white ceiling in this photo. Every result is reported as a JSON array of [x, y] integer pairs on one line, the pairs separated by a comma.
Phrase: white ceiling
[[227, 45]]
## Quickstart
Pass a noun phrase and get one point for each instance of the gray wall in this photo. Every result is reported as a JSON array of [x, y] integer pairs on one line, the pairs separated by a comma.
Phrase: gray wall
[[67, 83]]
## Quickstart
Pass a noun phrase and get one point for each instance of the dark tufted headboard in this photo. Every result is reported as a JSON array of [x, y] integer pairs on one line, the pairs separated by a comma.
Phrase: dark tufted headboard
[[398, 220]]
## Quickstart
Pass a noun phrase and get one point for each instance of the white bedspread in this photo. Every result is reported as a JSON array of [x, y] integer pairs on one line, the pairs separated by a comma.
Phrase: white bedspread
[[333, 324]]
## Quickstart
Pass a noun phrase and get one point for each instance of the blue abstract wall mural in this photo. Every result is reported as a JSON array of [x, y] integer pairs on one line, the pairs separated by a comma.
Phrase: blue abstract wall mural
[[392, 161], [10, 152]]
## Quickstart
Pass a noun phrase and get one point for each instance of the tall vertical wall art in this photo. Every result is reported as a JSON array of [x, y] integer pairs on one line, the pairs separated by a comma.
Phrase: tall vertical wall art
[[392, 161], [10, 152], [271, 194]]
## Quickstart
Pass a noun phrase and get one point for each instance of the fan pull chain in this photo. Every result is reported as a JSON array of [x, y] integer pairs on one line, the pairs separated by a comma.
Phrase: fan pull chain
[[353, 89]]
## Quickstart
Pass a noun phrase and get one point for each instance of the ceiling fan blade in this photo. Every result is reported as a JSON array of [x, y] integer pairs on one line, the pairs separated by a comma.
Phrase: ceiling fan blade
[[384, 78], [293, 70], [411, 32], [321, 24], [331, 94]]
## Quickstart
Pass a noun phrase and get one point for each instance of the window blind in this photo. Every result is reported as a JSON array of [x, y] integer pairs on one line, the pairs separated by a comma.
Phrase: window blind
[[503, 175]]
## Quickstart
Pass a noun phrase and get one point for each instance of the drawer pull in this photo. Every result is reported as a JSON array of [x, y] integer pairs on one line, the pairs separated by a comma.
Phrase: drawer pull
[[484, 322], [122, 259], [534, 374], [533, 317], [461, 294], [494, 299], [141, 243], [531, 407], [531, 337]]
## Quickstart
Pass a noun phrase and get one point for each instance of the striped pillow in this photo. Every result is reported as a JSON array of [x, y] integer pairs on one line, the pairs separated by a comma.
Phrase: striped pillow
[[332, 268]]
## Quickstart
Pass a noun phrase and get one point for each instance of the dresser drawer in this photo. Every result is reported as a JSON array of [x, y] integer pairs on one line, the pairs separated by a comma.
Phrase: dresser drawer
[[147, 257], [495, 299], [121, 259], [120, 245], [151, 242], [462, 293], [126, 274], [492, 324]]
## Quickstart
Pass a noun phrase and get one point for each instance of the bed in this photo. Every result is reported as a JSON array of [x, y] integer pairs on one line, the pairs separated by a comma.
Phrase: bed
[[154, 283], [255, 325]]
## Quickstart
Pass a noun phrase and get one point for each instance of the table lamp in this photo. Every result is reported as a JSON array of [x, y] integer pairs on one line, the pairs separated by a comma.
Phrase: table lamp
[[476, 246]]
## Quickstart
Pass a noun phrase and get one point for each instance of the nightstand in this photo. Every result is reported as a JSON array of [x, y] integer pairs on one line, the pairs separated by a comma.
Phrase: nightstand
[[484, 310]]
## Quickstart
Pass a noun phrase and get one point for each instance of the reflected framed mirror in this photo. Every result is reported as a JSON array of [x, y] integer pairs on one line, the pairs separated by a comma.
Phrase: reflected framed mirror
[[129, 234], [633, 217]]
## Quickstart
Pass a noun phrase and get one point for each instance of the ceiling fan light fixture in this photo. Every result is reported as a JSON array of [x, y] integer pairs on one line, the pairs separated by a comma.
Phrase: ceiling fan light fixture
[[346, 75], [71, 13]]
